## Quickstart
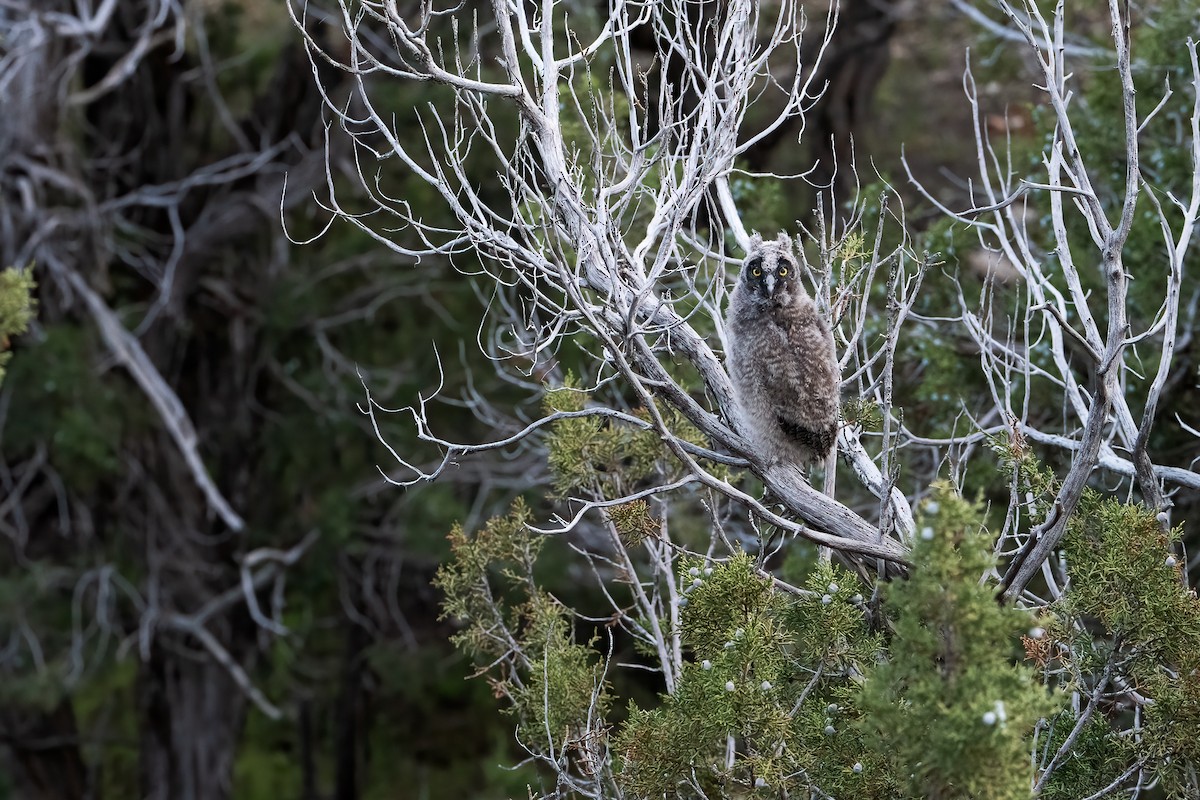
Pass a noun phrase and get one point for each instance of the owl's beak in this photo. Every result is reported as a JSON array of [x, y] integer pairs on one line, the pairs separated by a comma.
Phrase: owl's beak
[[770, 283]]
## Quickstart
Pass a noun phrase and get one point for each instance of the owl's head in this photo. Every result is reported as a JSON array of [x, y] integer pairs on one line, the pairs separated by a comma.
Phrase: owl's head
[[769, 272]]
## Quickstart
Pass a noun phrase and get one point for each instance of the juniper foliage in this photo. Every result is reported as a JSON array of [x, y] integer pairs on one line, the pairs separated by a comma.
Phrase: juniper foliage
[[16, 308], [950, 702], [811, 691], [1130, 618]]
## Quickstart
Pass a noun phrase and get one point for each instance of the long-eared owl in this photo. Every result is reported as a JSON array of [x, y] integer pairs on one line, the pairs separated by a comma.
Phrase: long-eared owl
[[781, 358]]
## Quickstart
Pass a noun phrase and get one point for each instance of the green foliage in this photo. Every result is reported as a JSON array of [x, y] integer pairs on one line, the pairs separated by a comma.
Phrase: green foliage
[[731, 624], [607, 457], [1035, 480], [505, 546], [564, 685], [35, 679], [863, 412], [592, 452], [61, 398], [439, 734], [1096, 758], [16, 308], [633, 521], [264, 767], [783, 691], [554, 684], [773, 674], [1125, 576], [108, 700], [949, 704]]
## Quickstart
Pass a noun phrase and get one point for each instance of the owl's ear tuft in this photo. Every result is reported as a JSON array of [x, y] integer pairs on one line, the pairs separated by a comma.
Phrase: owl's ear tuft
[[755, 242], [784, 241]]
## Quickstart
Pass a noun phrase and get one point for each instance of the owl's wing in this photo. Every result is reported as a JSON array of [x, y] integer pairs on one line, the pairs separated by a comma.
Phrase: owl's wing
[[804, 376], [818, 440]]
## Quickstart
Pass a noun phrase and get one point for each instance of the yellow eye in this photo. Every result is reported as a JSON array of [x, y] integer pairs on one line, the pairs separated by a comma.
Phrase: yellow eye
[[757, 272], [782, 271]]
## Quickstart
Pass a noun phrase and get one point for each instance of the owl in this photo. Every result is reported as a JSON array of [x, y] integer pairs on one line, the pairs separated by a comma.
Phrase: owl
[[781, 358]]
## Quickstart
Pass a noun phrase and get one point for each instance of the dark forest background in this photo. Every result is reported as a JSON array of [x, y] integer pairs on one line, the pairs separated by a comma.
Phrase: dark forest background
[[159, 163]]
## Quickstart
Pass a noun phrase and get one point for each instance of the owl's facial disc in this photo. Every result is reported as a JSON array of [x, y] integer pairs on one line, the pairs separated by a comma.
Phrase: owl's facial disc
[[770, 278], [784, 275], [756, 277]]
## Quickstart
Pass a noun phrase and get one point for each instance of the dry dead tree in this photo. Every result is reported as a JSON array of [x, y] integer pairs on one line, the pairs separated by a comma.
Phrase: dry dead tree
[[615, 213]]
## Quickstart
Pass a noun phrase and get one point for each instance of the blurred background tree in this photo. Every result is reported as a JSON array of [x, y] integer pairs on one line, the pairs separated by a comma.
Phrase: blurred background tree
[[204, 590]]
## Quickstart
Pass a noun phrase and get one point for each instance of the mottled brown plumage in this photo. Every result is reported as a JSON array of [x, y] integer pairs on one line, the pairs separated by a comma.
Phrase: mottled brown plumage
[[781, 358]]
